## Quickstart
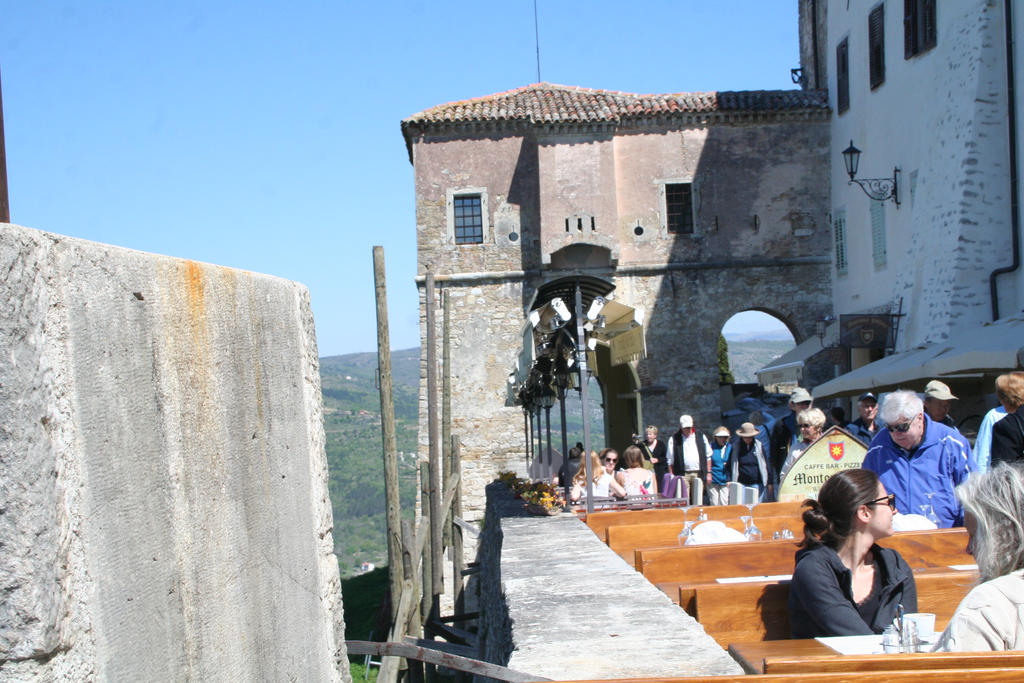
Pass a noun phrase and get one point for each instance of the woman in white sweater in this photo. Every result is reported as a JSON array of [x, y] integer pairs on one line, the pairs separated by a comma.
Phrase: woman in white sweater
[[991, 617]]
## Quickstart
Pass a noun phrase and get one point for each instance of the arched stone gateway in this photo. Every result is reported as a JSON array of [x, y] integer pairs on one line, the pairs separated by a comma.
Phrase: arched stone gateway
[[691, 207]]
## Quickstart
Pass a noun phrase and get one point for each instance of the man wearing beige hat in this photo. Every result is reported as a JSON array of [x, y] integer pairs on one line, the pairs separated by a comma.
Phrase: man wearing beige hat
[[937, 401]]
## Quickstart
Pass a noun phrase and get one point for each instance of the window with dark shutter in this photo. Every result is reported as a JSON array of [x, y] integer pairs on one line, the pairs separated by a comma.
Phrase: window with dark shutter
[[843, 75], [920, 24], [679, 207], [876, 46]]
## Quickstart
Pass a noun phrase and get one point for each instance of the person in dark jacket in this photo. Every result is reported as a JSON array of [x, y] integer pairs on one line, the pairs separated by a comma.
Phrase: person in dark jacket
[[656, 452], [1008, 433], [867, 425], [844, 583], [785, 432]]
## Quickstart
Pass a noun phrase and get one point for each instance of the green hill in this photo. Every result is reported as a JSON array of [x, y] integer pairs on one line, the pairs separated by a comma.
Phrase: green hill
[[354, 450]]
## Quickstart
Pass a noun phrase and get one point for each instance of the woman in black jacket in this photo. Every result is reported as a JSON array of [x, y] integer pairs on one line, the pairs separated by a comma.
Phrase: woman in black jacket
[[845, 584], [1008, 433]]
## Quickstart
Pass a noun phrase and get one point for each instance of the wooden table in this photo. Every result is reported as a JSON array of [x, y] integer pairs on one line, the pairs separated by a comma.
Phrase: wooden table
[[751, 656]]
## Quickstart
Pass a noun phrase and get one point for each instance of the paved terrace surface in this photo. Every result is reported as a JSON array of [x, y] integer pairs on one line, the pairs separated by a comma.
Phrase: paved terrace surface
[[573, 609]]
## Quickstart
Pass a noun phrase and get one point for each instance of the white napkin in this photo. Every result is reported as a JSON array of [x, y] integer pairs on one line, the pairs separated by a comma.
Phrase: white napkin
[[715, 532], [911, 523]]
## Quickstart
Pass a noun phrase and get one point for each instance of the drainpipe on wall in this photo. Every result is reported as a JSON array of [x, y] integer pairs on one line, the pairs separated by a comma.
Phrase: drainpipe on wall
[[1014, 194]]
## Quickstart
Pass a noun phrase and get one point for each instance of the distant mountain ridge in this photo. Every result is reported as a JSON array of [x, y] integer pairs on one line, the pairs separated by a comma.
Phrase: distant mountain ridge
[[777, 335]]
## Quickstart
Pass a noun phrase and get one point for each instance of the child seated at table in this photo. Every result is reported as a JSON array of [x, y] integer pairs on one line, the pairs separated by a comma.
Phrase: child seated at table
[[845, 584]]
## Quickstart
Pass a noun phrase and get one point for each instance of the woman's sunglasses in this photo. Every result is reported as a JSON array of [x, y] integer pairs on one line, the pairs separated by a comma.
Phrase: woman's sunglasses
[[889, 500], [611, 460]]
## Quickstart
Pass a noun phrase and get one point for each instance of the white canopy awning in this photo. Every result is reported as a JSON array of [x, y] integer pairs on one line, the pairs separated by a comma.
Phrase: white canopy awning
[[990, 348]]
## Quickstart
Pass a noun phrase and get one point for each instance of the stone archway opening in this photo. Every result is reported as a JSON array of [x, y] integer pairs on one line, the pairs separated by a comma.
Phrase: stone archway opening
[[752, 339]]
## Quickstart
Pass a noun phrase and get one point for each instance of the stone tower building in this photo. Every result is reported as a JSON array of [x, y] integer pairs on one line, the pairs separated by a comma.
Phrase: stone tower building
[[695, 206]]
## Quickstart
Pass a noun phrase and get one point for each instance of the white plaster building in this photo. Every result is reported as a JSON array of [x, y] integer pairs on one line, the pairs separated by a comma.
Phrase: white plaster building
[[921, 86]]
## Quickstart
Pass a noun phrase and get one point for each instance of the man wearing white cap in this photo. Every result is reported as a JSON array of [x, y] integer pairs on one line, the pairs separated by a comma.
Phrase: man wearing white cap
[[785, 433], [688, 452], [937, 401]]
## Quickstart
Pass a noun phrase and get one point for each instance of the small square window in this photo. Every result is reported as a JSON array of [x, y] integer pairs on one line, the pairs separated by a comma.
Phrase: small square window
[[469, 226], [679, 208]]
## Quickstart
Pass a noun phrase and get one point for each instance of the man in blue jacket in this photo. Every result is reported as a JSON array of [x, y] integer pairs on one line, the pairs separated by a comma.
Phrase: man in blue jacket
[[915, 456]]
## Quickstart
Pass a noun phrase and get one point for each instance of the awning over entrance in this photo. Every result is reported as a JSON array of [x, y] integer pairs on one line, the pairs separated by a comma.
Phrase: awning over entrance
[[885, 374], [987, 349], [994, 347], [789, 367]]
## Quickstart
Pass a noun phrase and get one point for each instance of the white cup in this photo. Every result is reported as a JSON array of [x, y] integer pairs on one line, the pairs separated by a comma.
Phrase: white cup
[[925, 624]]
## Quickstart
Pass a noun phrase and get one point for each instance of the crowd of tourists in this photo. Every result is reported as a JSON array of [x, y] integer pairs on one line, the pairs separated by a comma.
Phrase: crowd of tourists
[[844, 582]]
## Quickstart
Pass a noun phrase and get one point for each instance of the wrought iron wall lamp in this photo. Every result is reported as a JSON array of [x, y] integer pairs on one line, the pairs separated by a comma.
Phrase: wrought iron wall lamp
[[876, 188]]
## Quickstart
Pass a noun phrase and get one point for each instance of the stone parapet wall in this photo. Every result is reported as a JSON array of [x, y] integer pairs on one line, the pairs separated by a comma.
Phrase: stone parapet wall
[[557, 602], [165, 510]]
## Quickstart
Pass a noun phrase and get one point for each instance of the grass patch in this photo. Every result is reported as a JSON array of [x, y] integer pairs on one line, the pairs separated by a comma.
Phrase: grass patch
[[362, 597]]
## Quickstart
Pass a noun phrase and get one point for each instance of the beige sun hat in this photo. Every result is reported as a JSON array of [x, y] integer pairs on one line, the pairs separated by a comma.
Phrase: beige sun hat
[[939, 390], [747, 429]]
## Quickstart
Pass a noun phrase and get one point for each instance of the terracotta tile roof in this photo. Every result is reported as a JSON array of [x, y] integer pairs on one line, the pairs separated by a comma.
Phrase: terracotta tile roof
[[550, 103]]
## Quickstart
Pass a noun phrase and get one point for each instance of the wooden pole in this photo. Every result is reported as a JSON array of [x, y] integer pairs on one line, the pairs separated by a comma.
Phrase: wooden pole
[[387, 423], [436, 549], [5, 205], [446, 407], [456, 531], [408, 577], [426, 599]]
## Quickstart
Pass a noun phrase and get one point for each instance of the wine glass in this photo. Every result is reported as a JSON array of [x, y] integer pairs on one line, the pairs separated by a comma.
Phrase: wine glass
[[750, 506], [684, 535], [752, 533]]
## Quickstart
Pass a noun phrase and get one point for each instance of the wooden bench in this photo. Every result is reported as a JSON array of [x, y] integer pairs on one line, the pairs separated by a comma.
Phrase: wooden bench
[[951, 675], [705, 563], [624, 539], [917, 661], [743, 612], [599, 521]]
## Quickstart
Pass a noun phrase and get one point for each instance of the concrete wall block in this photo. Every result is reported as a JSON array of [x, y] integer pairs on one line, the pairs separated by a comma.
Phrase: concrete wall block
[[191, 483]]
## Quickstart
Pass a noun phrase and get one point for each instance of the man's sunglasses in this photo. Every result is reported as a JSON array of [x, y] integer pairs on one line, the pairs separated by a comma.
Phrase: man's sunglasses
[[889, 500], [903, 427]]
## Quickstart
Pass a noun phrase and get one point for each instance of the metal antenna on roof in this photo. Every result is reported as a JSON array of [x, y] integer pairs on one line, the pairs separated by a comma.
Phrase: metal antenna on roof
[[5, 207], [536, 37]]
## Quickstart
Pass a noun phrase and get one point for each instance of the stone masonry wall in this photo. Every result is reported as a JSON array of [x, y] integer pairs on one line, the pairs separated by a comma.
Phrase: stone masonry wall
[[761, 241], [165, 512]]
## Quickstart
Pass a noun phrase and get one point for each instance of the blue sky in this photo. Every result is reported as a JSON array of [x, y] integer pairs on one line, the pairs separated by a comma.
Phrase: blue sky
[[265, 135]]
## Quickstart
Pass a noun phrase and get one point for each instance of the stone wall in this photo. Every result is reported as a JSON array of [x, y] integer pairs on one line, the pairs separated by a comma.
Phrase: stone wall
[[761, 241], [165, 510], [556, 602]]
